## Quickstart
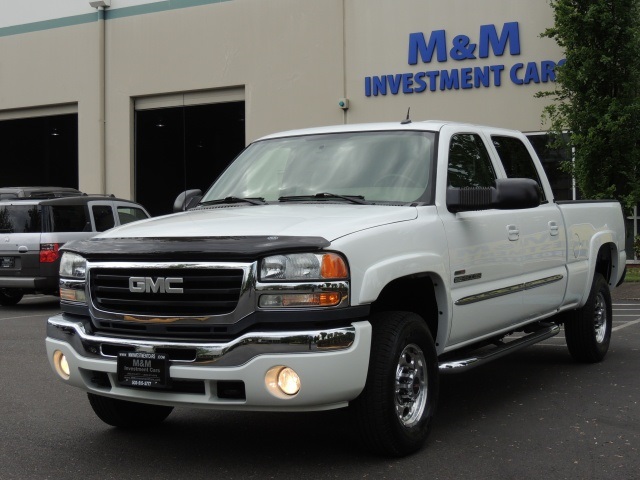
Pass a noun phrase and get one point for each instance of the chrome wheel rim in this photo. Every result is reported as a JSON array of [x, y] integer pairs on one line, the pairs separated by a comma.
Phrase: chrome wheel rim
[[600, 318], [411, 385]]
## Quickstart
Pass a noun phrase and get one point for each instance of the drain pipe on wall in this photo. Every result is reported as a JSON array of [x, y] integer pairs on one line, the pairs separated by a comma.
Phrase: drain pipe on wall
[[101, 5], [344, 102]]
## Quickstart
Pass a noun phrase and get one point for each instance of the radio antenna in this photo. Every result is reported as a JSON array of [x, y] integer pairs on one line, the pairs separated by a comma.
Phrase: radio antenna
[[406, 120]]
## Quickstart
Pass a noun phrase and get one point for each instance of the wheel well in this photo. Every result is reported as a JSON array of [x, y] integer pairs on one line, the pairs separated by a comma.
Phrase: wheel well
[[604, 262], [414, 293]]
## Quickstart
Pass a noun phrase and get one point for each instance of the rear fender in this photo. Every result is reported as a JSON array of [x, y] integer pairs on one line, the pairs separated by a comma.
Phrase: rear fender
[[600, 241]]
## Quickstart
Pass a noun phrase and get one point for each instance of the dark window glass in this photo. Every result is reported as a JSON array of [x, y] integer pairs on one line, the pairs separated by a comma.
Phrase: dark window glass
[[552, 158], [20, 219], [70, 218], [182, 148], [130, 214], [469, 163], [40, 151], [103, 217], [516, 159]]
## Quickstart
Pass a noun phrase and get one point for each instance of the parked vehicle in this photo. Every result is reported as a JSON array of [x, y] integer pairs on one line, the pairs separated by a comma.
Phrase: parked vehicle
[[334, 267], [33, 230], [8, 193]]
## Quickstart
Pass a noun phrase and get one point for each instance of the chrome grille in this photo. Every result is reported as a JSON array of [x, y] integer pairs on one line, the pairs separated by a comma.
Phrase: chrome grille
[[214, 291]]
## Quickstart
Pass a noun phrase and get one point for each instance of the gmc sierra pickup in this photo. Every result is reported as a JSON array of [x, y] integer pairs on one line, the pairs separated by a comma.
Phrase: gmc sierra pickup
[[333, 267]]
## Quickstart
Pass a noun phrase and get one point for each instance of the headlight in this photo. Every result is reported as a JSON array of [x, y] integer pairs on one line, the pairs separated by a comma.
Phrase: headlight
[[73, 265], [304, 266], [73, 271]]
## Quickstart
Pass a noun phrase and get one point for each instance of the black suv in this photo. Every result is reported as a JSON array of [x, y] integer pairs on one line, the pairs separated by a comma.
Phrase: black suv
[[32, 230]]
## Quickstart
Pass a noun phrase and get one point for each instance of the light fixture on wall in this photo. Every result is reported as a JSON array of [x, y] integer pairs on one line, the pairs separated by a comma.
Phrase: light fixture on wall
[[54, 132], [100, 3], [160, 123]]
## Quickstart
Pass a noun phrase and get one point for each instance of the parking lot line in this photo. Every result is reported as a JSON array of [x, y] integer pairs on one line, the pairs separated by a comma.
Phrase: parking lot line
[[625, 325], [26, 316]]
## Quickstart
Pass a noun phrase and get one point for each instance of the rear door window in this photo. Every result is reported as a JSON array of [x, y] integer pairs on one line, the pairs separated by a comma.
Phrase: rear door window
[[70, 218], [20, 219], [103, 217]]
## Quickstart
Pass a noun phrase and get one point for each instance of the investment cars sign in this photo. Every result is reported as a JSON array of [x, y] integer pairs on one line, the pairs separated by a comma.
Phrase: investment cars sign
[[491, 41]]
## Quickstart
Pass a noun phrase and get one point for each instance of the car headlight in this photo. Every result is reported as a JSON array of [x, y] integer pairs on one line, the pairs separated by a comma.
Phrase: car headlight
[[304, 266], [322, 277], [73, 265], [73, 272]]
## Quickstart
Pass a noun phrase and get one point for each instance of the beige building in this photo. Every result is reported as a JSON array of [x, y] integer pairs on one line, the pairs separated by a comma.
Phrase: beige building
[[144, 98]]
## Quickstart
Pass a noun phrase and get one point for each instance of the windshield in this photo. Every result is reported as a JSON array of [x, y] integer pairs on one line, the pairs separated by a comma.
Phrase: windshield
[[378, 166]]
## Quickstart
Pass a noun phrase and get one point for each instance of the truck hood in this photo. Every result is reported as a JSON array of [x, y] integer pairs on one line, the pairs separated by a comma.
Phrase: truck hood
[[330, 221]]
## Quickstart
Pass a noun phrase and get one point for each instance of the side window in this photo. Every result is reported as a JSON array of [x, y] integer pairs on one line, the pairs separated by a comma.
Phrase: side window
[[70, 218], [469, 162], [516, 159], [130, 214], [103, 217]]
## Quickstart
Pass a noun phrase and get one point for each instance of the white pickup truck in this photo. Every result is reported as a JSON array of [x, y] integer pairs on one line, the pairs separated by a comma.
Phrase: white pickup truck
[[334, 267]]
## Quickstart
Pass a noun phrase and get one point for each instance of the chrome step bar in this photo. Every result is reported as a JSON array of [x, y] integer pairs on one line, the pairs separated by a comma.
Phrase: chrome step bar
[[469, 362]]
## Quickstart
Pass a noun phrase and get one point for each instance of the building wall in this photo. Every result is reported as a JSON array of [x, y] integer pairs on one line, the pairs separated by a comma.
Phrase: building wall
[[292, 59], [377, 43]]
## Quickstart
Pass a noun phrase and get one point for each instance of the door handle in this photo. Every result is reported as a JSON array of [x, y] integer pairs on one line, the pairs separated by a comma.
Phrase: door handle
[[553, 228], [513, 233], [22, 249]]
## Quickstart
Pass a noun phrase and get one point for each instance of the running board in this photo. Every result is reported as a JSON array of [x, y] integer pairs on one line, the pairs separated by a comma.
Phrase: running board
[[464, 364]]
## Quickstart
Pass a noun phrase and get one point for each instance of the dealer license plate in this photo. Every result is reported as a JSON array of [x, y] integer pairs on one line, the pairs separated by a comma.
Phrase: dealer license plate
[[143, 370], [7, 262]]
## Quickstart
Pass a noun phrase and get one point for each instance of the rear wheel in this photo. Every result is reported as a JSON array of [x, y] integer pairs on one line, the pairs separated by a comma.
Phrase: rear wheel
[[10, 297], [588, 329], [125, 414], [393, 413]]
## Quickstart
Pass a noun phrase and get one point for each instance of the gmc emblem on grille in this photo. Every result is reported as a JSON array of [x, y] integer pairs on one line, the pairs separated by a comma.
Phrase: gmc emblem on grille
[[159, 285]]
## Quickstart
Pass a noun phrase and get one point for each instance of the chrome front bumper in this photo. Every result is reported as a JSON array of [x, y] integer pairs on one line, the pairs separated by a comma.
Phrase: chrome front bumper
[[232, 353], [332, 365]]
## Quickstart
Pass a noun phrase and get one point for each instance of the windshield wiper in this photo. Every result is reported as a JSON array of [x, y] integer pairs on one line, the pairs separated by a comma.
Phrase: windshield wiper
[[252, 201], [359, 199]]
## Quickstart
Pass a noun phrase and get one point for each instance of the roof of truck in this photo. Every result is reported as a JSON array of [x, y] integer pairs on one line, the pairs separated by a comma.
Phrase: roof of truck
[[427, 126]]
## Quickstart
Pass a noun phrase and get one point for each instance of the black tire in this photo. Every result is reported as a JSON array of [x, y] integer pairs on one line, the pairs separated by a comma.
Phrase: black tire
[[125, 414], [390, 423], [588, 329], [10, 297]]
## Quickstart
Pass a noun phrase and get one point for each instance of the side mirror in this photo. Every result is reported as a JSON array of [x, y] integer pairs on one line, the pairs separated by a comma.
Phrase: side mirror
[[508, 194], [187, 200]]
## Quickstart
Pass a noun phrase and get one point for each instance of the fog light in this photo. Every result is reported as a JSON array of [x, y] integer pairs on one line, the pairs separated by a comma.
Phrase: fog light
[[289, 381], [282, 382], [61, 365]]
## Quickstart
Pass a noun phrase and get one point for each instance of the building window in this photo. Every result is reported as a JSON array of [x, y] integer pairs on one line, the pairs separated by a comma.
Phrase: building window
[[185, 147], [40, 151]]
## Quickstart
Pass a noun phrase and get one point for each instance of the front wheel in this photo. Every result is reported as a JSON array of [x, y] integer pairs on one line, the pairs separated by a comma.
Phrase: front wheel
[[10, 297], [588, 329], [125, 414], [394, 411]]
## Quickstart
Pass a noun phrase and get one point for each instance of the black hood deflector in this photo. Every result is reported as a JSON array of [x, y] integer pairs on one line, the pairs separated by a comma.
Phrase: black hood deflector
[[193, 249]]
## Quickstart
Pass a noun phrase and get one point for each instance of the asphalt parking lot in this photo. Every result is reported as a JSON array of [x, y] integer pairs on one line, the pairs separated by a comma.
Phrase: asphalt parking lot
[[533, 414]]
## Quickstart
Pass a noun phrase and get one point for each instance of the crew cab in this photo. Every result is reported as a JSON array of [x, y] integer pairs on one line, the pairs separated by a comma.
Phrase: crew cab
[[33, 229], [334, 267]]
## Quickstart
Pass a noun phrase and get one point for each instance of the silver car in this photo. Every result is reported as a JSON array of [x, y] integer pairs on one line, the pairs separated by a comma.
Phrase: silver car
[[33, 230]]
